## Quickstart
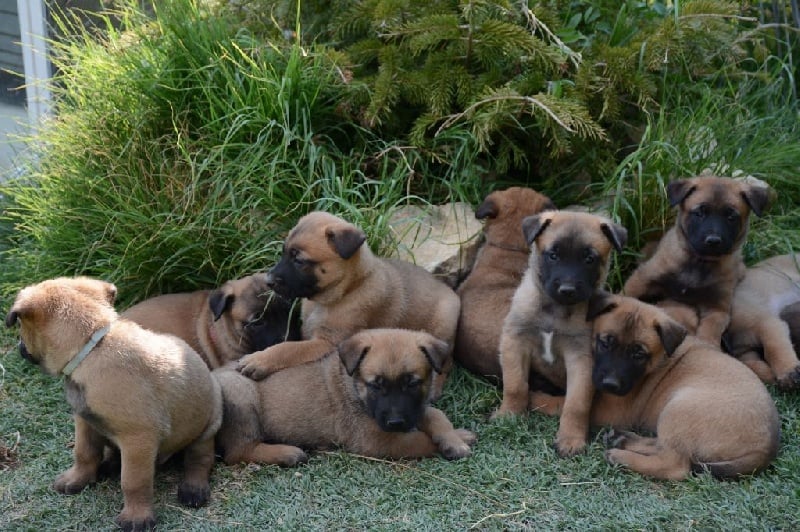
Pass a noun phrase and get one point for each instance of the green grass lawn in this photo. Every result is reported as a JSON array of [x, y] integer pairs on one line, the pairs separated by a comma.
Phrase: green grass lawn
[[514, 480]]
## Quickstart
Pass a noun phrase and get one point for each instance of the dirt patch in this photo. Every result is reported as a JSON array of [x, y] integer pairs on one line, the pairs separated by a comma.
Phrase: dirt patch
[[8, 455]]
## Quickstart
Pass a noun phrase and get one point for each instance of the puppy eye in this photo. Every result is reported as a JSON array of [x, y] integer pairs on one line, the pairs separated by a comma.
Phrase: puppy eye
[[700, 211], [605, 342], [413, 383], [552, 256], [590, 258], [639, 354], [375, 386], [732, 215]]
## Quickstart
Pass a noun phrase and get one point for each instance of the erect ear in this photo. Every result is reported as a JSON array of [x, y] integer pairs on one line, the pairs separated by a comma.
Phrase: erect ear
[[345, 239], [351, 352], [219, 300], [616, 234], [599, 303], [435, 351], [671, 333], [757, 198], [532, 226], [679, 190], [487, 209]]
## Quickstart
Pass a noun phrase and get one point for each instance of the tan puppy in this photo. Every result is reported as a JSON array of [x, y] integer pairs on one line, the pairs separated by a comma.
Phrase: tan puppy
[[546, 328], [698, 262], [240, 317], [762, 320], [487, 291], [347, 289], [369, 399], [149, 395], [650, 375]]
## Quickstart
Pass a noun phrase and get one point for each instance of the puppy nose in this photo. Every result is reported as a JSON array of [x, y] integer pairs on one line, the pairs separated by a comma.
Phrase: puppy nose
[[610, 383], [713, 240], [273, 279], [567, 289], [395, 423]]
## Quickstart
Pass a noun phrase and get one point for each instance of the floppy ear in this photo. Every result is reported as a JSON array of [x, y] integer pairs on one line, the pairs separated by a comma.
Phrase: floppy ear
[[487, 209], [679, 190], [351, 352], [532, 226], [345, 239], [435, 351], [219, 300], [757, 198], [12, 317], [599, 303], [616, 234], [671, 333]]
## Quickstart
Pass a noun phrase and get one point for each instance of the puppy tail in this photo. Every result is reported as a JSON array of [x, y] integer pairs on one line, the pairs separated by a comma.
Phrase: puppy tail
[[746, 464]]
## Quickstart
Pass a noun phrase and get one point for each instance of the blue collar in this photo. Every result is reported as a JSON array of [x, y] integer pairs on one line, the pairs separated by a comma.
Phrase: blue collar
[[93, 341]]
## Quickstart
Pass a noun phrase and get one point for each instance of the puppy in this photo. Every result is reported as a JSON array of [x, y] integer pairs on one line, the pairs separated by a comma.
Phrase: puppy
[[650, 375], [762, 320], [487, 291], [149, 395], [698, 262], [546, 328], [240, 317], [345, 289], [370, 399]]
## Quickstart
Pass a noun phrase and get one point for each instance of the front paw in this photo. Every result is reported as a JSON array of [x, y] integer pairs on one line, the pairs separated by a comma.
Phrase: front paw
[[569, 445], [130, 523], [454, 445], [73, 481], [789, 380], [192, 495], [255, 366], [614, 456]]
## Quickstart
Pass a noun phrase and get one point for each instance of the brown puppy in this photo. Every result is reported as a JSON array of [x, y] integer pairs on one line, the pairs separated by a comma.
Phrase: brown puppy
[[149, 395], [762, 320], [546, 328], [650, 375], [347, 289], [369, 399], [240, 317], [698, 262], [487, 291]]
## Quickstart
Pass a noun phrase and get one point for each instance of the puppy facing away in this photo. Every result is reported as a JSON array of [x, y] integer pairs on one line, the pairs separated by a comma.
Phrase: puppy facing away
[[708, 411], [240, 317], [370, 399], [487, 291], [698, 262], [546, 329], [763, 320], [149, 395], [345, 289]]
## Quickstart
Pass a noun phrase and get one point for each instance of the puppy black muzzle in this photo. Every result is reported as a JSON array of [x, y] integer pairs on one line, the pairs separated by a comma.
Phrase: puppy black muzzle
[[24, 353]]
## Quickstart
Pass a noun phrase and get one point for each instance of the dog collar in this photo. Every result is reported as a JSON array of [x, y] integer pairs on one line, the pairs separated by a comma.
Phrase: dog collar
[[93, 341]]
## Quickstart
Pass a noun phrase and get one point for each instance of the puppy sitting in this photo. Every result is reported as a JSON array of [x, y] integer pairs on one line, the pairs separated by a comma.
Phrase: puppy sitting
[[487, 291], [147, 394], [240, 317], [369, 399], [698, 262], [651, 376], [763, 317], [345, 289], [546, 328]]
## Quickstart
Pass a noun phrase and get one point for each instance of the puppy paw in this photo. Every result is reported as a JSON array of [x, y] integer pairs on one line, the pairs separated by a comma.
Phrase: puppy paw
[[613, 439], [72, 481], [192, 495], [135, 525], [613, 456], [254, 367], [544, 403], [453, 447], [467, 436], [568, 446], [790, 380]]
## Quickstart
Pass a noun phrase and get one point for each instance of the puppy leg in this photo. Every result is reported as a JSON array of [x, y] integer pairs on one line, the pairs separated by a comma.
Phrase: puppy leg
[[88, 454], [451, 443], [396, 445], [665, 464], [549, 405], [138, 453], [261, 364], [447, 319], [712, 325], [631, 441], [515, 361], [198, 459], [778, 351], [573, 425]]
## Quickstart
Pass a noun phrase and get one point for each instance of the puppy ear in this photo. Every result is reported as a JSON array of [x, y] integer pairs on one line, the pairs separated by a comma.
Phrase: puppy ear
[[111, 293], [671, 333], [487, 209], [679, 190], [616, 234], [345, 240], [599, 303], [12, 317], [757, 198], [532, 226], [351, 352], [219, 300], [435, 351]]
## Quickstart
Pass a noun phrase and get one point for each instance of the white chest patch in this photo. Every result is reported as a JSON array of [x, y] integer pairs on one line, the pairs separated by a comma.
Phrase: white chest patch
[[547, 347]]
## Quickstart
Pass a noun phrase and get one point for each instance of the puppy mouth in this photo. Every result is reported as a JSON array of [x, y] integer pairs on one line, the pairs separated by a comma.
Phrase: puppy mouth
[[25, 354]]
